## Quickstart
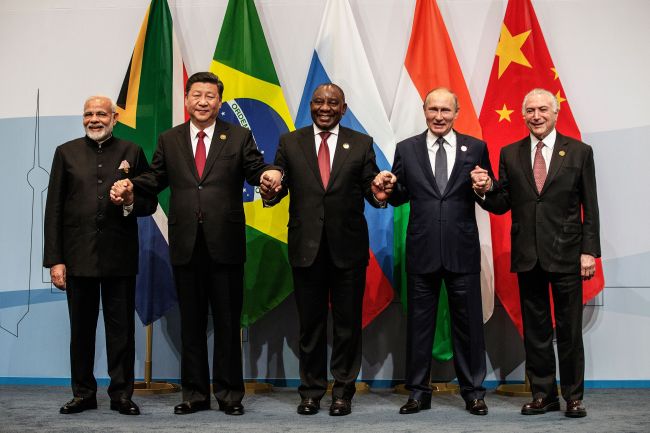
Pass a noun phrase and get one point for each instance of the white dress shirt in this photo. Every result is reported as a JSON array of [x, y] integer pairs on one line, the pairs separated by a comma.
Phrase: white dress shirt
[[547, 150], [450, 148], [331, 140], [194, 137]]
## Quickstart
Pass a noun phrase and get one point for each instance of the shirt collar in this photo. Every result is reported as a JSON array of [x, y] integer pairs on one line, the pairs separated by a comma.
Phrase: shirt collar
[[209, 131], [450, 138], [549, 140], [334, 131]]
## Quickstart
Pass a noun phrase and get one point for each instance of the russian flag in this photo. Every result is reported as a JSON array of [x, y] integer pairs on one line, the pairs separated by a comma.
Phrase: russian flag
[[339, 57]]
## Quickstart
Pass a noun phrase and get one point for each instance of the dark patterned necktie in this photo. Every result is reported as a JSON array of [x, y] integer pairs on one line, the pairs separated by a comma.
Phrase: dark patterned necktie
[[539, 168], [441, 165]]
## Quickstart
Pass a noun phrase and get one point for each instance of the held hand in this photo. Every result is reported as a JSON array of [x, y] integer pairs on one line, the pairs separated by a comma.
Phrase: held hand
[[270, 184], [481, 181], [383, 184], [57, 275], [122, 192], [587, 266]]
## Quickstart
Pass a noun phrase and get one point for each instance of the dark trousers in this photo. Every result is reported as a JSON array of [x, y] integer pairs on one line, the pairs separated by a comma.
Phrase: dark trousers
[[202, 283], [465, 307], [118, 304], [538, 332], [315, 287]]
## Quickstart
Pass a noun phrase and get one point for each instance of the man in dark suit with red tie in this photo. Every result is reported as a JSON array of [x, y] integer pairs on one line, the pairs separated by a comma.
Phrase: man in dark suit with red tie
[[432, 171], [328, 170], [205, 162], [548, 180]]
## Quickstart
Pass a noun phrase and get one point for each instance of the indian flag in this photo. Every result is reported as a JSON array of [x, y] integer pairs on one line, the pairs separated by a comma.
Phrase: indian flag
[[431, 62], [253, 98]]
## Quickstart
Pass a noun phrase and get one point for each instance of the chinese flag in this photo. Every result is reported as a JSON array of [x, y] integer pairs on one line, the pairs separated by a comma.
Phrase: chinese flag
[[522, 62]]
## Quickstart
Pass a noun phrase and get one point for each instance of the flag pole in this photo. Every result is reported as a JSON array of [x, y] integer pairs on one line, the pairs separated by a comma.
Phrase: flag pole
[[252, 386], [149, 387]]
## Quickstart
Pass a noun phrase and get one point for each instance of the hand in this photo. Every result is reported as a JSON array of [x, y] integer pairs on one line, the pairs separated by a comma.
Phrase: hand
[[383, 184], [57, 274], [122, 192], [481, 180], [587, 266], [270, 184]]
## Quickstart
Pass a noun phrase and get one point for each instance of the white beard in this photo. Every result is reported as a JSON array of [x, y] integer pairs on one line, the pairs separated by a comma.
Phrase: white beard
[[99, 135]]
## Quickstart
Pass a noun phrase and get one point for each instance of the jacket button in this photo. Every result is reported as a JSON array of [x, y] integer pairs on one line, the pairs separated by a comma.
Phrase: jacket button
[[100, 181], [200, 187], [100, 197]]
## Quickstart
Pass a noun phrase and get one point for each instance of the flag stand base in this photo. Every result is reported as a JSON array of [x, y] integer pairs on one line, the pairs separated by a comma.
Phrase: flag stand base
[[436, 388], [148, 387], [255, 387], [361, 387]]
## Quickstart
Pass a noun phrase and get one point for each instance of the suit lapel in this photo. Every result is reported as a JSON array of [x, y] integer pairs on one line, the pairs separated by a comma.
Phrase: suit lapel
[[307, 143], [556, 160], [221, 132], [185, 144], [422, 154], [524, 162], [340, 154], [459, 162]]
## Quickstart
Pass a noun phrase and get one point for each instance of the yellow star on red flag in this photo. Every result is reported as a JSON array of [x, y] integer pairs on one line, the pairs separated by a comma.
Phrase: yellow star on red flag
[[504, 113], [560, 99], [509, 49]]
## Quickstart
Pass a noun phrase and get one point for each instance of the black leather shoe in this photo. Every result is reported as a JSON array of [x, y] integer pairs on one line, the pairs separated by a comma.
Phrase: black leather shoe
[[415, 406], [477, 407], [125, 407], [188, 407], [575, 409], [540, 406], [231, 407], [340, 407], [308, 406], [79, 404]]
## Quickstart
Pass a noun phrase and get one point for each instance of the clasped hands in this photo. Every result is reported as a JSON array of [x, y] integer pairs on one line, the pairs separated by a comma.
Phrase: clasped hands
[[383, 184], [270, 184], [122, 192], [481, 180]]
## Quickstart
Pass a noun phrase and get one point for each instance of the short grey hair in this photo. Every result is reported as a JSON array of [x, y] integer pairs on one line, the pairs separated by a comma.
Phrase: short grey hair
[[113, 105], [539, 91]]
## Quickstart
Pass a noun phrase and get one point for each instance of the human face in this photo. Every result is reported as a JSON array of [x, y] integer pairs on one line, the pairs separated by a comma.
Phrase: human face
[[98, 118], [202, 103], [440, 112], [539, 115], [327, 107]]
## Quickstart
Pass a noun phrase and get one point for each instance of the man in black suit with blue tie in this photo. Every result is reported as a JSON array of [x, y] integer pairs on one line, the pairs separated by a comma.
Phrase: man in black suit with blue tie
[[432, 172]]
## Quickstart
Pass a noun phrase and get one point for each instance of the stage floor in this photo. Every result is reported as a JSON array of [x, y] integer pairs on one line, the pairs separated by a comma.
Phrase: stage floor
[[28, 408]]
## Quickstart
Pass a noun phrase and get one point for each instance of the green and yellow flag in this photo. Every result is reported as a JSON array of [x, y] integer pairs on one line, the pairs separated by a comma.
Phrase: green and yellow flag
[[253, 98]]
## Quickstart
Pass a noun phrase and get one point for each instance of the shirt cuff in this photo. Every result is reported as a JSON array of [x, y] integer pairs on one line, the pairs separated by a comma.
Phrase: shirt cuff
[[127, 209]]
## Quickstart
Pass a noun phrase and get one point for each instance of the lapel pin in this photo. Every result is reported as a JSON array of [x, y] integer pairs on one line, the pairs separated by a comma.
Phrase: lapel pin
[[561, 153], [222, 136], [463, 148], [346, 146]]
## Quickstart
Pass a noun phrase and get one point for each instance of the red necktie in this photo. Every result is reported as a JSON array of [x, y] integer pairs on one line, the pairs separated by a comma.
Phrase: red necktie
[[324, 158], [539, 167], [199, 156]]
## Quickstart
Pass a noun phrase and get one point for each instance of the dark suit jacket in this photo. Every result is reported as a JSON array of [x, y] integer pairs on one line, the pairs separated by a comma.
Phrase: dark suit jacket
[[338, 209], [548, 226], [215, 198], [83, 229], [442, 229]]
